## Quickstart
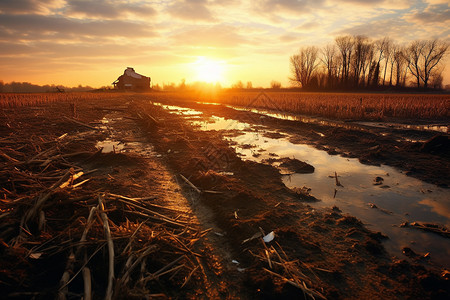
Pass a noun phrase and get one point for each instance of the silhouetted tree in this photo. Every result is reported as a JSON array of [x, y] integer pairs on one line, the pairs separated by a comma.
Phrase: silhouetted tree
[[345, 46], [387, 53], [436, 79], [237, 85], [303, 65], [363, 53], [275, 84], [399, 64], [329, 59], [423, 57]]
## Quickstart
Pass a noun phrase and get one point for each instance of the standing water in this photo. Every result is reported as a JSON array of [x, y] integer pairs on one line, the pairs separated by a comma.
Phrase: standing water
[[380, 196]]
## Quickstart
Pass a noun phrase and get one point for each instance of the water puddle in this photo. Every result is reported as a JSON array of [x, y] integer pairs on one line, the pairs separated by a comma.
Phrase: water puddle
[[349, 125], [109, 146], [430, 127], [382, 197], [178, 110], [219, 123], [115, 144]]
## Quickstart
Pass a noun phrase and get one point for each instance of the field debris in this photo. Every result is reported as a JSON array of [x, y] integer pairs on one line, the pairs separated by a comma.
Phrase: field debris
[[292, 165], [435, 228], [79, 223], [304, 193], [378, 180], [338, 183], [373, 205], [269, 237], [290, 271], [91, 242]]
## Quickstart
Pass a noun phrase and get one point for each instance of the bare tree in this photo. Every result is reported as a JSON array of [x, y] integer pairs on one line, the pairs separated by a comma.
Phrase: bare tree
[[423, 57], [432, 54], [275, 84], [412, 56], [380, 46], [303, 65], [345, 45], [436, 79], [362, 51], [387, 53], [399, 63], [237, 85], [369, 54], [329, 60], [393, 53]]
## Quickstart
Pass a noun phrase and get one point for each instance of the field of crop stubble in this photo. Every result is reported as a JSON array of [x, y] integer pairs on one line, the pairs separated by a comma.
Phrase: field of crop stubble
[[52, 137], [348, 106]]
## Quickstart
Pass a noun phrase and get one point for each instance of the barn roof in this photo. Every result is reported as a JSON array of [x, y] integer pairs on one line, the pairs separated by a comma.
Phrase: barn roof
[[130, 72]]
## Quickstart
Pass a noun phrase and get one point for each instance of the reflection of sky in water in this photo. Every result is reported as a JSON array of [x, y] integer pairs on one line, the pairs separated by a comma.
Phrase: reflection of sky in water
[[173, 109], [219, 123], [400, 198], [406, 198], [349, 125], [110, 146], [440, 128]]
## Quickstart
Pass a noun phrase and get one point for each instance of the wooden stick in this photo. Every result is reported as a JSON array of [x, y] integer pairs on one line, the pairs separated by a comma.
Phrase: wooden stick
[[190, 184], [132, 236], [169, 265], [153, 277], [189, 276], [337, 180], [109, 289], [151, 211], [157, 218], [80, 123], [303, 287], [140, 201], [149, 250], [87, 283]]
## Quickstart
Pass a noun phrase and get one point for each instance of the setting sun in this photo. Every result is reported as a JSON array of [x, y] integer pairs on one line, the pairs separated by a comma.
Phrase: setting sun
[[209, 70]]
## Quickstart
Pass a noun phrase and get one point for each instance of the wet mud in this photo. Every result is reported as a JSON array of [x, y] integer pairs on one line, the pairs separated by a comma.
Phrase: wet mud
[[230, 204]]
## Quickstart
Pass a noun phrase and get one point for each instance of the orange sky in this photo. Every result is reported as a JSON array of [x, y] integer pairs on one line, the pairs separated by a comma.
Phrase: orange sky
[[73, 42]]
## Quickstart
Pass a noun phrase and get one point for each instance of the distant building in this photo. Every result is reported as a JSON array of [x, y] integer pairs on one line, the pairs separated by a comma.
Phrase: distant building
[[130, 80]]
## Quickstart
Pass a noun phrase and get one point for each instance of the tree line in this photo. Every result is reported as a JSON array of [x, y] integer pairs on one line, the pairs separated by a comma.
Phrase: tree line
[[357, 62], [26, 87]]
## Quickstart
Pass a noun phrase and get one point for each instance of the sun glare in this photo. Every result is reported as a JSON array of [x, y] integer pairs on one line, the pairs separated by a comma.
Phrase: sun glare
[[209, 70]]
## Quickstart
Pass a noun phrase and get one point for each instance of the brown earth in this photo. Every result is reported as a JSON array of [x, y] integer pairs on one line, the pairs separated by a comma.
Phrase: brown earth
[[314, 253]]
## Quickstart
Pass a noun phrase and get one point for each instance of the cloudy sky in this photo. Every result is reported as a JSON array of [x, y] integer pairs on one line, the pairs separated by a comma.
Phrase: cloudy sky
[[73, 42]]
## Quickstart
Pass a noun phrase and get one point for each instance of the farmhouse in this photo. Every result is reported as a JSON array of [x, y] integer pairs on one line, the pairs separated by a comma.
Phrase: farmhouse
[[130, 80]]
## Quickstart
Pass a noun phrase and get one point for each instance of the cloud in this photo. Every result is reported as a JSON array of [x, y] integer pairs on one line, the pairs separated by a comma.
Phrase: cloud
[[287, 38], [38, 26], [308, 25], [432, 14], [107, 9], [28, 6], [384, 4], [192, 10], [378, 29], [293, 5], [210, 36]]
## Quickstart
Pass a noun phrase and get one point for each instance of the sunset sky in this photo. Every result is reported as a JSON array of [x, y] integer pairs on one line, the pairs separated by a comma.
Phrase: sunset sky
[[73, 42]]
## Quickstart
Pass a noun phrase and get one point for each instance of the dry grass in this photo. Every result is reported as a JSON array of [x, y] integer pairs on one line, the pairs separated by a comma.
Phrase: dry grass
[[351, 106], [346, 105], [10, 100], [330, 105]]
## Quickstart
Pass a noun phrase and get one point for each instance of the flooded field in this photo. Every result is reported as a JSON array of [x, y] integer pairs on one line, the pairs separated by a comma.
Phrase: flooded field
[[381, 196], [191, 200]]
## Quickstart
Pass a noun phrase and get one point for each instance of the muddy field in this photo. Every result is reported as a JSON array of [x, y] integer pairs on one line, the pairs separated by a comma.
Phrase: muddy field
[[129, 198]]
